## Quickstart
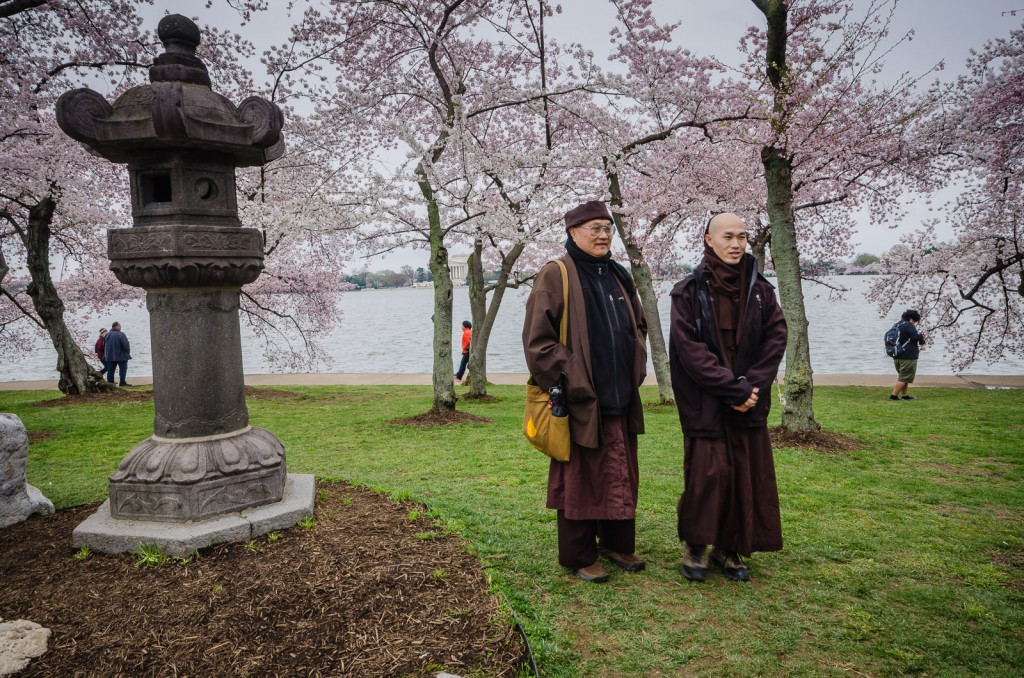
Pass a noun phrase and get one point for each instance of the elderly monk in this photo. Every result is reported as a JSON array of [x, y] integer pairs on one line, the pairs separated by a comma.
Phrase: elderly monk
[[600, 371], [727, 338]]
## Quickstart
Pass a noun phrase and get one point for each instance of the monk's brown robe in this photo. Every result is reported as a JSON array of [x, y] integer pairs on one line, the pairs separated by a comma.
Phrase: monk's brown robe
[[730, 498], [600, 480]]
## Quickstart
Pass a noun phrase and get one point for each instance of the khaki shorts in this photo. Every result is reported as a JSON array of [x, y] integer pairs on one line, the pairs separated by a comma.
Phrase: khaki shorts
[[907, 369]]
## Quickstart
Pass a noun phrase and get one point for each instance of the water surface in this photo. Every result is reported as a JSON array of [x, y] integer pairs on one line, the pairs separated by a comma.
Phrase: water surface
[[390, 331]]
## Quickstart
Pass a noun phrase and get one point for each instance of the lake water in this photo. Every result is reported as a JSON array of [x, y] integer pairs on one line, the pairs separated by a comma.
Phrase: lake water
[[389, 331]]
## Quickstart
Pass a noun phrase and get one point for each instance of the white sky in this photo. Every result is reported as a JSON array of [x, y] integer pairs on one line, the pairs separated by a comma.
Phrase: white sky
[[945, 30]]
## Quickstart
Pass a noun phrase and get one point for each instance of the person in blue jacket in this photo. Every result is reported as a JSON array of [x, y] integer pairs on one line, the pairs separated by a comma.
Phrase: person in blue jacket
[[910, 343], [117, 353]]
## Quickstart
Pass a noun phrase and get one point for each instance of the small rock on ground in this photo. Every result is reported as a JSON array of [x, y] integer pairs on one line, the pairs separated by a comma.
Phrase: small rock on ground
[[20, 642]]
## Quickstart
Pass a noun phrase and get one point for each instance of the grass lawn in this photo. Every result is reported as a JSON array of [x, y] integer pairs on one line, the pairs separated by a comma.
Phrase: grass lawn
[[904, 556]]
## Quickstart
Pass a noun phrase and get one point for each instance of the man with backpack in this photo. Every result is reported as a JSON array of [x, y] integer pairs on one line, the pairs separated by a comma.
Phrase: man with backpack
[[904, 351]]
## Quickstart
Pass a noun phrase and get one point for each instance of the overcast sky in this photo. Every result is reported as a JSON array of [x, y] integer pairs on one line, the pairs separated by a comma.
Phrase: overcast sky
[[945, 30]]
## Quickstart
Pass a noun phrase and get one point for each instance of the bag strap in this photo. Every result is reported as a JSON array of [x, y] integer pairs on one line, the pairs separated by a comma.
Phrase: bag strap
[[563, 328], [899, 327]]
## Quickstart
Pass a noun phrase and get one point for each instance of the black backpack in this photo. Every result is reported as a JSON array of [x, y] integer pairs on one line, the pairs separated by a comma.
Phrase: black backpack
[[893, 347]]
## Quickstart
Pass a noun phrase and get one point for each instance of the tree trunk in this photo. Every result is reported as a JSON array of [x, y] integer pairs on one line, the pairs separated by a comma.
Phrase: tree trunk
[[759, 241], [444, 386], [648, 298], [477, 379], [76, 376], [798, 413], [483, 314]]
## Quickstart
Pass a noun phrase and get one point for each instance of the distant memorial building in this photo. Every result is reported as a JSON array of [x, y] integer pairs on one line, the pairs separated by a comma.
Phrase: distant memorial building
[[458, 265]]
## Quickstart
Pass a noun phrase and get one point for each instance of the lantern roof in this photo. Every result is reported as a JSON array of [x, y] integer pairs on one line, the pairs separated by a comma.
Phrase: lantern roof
[[177, 111]]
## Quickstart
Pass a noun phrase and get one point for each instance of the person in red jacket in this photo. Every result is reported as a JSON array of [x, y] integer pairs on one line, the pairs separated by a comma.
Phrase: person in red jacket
[[467, 335]]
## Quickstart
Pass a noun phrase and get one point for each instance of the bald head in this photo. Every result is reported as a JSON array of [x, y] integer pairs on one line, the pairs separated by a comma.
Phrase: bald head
[[723, 220], [727, 237]]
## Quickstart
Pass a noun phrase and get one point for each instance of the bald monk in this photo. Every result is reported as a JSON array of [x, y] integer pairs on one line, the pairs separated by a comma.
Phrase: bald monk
[[727, 338]]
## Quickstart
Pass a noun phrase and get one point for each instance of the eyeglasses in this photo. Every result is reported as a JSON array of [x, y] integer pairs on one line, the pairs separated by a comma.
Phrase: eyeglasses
[[597, 230]]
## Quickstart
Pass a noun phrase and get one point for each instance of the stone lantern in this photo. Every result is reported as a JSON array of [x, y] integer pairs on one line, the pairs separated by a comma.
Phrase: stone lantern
[[182, 142]]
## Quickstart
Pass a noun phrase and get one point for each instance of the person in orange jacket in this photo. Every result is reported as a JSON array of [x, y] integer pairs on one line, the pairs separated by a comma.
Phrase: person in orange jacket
[[467, 335]]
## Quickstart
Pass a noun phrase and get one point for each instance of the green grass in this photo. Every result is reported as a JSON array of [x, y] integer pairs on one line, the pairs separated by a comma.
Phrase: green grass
[[904, 556]]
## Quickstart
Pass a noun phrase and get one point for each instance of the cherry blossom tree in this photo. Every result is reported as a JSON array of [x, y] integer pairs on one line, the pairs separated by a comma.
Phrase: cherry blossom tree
[[301, 204], [835, 141], [56, 202], [970, 290], [525, 157], [652, 135], [417, 75]]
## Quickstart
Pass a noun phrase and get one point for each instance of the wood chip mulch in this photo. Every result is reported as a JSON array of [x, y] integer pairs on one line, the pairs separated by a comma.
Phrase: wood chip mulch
[[479, 398], [373, 588], [119, 395], [145, 394], [818, 441], [433, 418]]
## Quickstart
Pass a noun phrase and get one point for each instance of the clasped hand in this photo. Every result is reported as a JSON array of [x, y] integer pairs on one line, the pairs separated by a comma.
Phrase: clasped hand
[[749, 403]]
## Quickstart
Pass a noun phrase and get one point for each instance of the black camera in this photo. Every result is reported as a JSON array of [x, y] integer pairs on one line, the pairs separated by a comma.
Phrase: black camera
[[558, 408]]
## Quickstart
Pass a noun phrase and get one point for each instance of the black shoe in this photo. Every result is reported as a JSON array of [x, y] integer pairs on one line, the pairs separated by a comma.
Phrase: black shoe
[[694, 573], [908, 398], [695, 562], [732, 566], [892, 397], [124, 384]]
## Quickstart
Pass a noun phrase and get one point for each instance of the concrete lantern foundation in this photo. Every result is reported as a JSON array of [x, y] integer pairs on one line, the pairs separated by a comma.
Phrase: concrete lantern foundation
[[100, 532]]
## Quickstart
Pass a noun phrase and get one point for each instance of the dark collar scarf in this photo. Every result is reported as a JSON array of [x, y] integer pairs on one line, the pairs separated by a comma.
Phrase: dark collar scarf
[[581, 258], [728, 285]]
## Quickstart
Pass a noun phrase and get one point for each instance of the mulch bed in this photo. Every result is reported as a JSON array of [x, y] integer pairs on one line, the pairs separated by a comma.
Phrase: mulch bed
[[442, 418], [819, 441], [372, 589], [128, 395], [118, 395], [482, 398]]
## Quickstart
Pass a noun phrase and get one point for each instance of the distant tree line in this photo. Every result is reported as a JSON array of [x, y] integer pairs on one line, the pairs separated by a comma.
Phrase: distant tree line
[[406, 276]]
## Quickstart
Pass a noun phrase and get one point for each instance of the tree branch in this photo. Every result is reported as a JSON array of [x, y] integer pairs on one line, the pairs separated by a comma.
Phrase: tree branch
[[12, 7]]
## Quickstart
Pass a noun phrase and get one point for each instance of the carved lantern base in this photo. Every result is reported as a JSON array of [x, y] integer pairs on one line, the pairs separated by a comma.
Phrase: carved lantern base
[[178, 481]]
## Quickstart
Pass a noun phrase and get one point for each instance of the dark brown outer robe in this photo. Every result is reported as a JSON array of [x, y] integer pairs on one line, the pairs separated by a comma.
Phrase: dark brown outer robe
[[601, 480], [730, 497]]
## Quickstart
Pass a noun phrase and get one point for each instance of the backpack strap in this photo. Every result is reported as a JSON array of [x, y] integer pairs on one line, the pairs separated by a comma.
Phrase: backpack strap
[[900, 325], [563, 324]]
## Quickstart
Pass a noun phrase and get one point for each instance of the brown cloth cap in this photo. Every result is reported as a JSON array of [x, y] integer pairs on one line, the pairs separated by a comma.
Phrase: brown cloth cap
[[588, 211]]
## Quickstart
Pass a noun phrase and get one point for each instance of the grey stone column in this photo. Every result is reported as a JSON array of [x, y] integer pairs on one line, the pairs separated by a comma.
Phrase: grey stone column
[[198, 387]]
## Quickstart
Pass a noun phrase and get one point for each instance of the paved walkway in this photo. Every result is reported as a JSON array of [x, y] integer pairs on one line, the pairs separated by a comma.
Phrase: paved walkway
[[424, 379]]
